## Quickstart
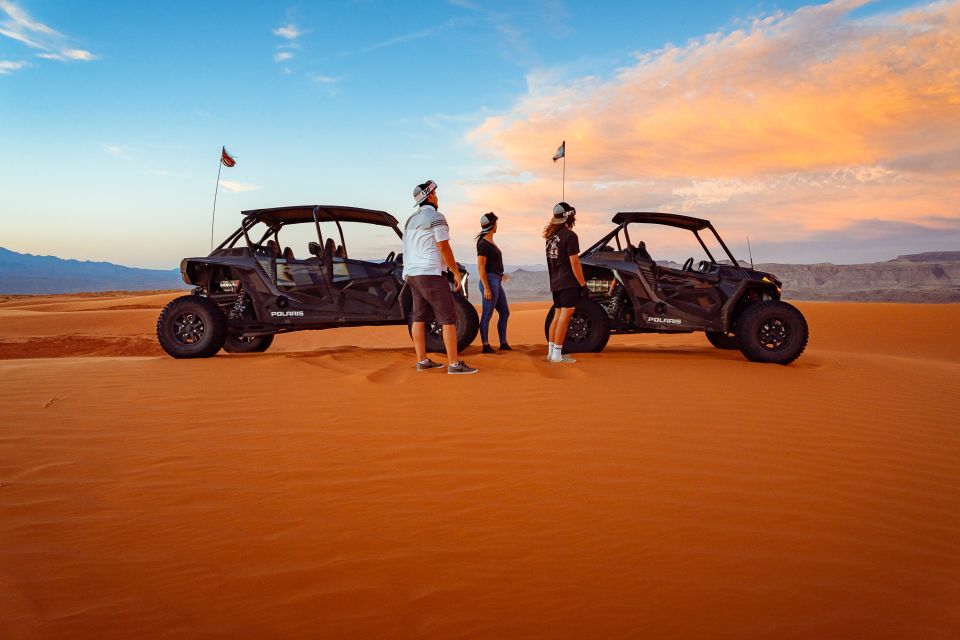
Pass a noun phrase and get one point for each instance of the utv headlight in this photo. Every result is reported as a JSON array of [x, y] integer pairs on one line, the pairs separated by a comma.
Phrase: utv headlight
[[465, 288]]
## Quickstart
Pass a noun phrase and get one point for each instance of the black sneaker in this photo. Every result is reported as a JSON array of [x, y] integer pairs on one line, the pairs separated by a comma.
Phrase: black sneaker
[[427, 364], [505, 347], [460, 368], [488, 349]]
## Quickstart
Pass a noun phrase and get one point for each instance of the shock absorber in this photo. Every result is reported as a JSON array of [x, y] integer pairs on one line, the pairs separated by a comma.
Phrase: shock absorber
[[239, 307]]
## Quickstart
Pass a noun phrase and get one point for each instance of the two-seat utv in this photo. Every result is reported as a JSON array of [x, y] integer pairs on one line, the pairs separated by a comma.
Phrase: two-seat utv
[[736, 306], [289, 269]]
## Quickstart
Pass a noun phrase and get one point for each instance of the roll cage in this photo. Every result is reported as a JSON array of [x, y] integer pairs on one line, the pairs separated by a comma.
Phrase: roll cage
[[277, 218], [624, 219]]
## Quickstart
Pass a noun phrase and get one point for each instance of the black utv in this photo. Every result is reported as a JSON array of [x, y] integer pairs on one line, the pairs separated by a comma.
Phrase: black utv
[[629, 292], [255, 285]]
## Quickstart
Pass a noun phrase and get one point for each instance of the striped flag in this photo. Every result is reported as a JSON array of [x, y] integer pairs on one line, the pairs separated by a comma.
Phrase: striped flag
[[561, 151], [225, 158]]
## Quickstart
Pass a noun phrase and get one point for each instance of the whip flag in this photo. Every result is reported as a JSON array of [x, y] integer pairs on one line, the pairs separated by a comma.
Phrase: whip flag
[[561, 152], [226, 159]]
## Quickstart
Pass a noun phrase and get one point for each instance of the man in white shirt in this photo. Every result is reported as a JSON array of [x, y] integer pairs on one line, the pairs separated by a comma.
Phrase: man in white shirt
[[426, 255]]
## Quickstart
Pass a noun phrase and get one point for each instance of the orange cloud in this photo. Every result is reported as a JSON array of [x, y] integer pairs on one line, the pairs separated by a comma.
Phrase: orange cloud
[[793, 124]]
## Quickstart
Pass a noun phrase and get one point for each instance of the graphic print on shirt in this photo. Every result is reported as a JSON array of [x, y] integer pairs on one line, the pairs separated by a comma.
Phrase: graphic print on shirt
[[553, 247]]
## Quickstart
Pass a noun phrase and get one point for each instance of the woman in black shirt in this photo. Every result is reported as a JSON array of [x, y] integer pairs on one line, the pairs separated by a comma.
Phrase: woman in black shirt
[[566, 277], [490, 263]]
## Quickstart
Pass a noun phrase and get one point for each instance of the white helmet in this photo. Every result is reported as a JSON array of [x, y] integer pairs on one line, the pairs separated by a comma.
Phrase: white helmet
[[422, 191]]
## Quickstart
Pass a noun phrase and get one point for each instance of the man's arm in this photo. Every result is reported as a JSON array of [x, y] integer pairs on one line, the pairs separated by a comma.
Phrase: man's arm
[[577, 269], [447, 253]]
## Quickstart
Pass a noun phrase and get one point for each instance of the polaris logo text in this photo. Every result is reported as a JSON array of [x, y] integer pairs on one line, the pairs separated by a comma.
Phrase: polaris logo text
[[285, 314], [665, 320]]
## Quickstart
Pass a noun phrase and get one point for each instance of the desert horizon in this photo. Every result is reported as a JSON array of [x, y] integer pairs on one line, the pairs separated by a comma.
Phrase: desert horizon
[[325, 489], [925, 277]]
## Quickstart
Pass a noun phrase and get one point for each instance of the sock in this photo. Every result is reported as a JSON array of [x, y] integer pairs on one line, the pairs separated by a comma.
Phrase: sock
[[557, 352], [549, 349]]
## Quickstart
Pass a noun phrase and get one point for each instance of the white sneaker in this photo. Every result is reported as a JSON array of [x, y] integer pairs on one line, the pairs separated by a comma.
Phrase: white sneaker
[[563, 359]]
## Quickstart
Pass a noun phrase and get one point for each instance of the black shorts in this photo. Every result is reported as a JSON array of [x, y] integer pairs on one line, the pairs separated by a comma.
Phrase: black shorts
[[432, 300], [566, 298]]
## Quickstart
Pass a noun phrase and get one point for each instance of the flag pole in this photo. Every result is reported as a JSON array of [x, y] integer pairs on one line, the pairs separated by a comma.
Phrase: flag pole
[[213, 216], [563, 181]]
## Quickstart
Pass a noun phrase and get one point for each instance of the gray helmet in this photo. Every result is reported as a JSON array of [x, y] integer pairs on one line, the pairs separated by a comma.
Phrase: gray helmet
[[487, 221], [562, 211]]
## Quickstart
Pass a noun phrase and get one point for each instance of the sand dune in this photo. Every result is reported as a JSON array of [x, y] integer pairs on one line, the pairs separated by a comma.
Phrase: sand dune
[[662, 489]]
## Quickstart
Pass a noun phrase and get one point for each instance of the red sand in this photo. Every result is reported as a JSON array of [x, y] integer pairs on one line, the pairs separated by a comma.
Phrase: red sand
[[662, 489]]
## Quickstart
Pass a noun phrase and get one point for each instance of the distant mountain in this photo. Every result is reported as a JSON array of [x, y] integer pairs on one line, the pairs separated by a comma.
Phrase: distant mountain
[[24, 273], [931, 256], [921, 277]]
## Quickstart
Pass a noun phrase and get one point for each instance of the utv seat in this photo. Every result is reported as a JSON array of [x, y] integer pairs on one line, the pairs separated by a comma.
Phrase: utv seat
[[288, 254], [641, 253], [273, 248], [329, 249]]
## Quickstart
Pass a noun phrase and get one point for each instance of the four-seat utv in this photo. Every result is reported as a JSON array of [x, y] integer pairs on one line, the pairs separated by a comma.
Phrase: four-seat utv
[[736, 306], [252, 286]]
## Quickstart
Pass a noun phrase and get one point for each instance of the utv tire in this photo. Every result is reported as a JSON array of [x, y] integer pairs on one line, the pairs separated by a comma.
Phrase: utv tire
[[244, 344], [191, 327], [723, 340], [589, 328], [772, 331], [468, 324]]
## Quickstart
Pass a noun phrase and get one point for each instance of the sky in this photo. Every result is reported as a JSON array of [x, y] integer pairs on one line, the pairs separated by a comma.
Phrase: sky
[[826, 132]]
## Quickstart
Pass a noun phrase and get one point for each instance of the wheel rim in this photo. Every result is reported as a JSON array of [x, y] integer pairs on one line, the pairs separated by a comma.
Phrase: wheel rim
[[774, 334], [188, 328], [579, 329], [435, 329]]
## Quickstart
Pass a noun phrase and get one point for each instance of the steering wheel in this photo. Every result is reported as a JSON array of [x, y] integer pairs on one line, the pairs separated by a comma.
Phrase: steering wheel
[[390, 256], [688, 265]]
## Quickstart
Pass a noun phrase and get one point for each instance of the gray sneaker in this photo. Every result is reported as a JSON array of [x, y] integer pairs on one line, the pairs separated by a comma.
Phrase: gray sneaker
[[564, 359], [427, 364], [461, 368]]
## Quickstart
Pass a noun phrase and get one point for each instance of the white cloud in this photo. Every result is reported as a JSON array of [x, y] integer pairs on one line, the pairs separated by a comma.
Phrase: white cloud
[[237, 187], [453, 23], [21, 27], [713, 191], [69, 54], [290, 32], [118, 151], [79, 54], [8, 66], [321, 79]]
